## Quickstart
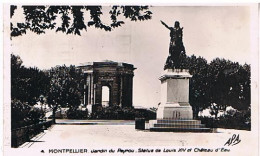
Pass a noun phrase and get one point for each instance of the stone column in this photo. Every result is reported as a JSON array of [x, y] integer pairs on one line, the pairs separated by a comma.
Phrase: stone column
[[121, 90], [89, 89]]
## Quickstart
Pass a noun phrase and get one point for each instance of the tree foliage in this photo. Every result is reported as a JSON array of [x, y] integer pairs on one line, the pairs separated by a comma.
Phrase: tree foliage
[[70, 19], [61, 85], [23, 114], [230, 84], [114, 113], [27, 84], [242, 120], [66, 87], [199, 86], [218, 84]]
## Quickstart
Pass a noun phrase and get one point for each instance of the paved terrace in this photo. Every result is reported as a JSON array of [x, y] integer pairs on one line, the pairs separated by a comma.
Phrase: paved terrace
[[109, 134]]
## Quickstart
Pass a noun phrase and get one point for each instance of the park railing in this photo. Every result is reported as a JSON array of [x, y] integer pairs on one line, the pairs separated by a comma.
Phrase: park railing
[[24, 134]]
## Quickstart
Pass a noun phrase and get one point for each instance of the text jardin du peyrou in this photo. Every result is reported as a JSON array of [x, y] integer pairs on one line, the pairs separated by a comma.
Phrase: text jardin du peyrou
[[139, 150]]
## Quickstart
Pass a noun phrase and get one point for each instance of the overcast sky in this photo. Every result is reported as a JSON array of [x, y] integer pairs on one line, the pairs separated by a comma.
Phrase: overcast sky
[[210, 32]]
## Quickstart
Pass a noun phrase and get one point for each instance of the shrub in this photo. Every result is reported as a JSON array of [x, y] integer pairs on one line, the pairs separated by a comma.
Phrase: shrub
[[23, 114], [118, 113], [231, 120], [74, 113], [239, 120], [114, 113]]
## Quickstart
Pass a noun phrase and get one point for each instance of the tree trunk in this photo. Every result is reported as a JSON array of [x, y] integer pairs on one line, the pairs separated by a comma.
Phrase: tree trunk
[[54, 115], [216, 114], [195, 113]]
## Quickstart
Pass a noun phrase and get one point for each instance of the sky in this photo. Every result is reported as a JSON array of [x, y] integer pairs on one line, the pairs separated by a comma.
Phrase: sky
[[209, 31]]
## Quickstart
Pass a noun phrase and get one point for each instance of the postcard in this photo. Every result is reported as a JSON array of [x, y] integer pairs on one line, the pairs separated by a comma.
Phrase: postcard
[[139, 79]]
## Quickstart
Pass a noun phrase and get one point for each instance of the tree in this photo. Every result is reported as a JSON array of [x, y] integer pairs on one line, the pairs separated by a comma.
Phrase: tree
[[66, 88], [219, 84], [19, 113], [27, 84], [241, 88], [199, 85], [40, 18], [229, 85]]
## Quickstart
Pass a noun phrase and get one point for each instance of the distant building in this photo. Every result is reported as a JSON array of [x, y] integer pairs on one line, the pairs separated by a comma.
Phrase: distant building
[[115, 78]]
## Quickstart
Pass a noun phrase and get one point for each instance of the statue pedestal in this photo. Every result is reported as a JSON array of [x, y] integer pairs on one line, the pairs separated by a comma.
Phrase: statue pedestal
[[175, 114], [174, 111], [175, 95]]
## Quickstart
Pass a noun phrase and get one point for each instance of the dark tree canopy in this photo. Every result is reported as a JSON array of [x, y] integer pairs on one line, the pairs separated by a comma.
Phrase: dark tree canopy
[[199, 86], [27, 84], [218, 84], [40, 18], [66, 86]]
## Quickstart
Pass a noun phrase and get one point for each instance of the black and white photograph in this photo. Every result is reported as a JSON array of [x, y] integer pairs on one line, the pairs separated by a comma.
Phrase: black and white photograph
[[139, 79]]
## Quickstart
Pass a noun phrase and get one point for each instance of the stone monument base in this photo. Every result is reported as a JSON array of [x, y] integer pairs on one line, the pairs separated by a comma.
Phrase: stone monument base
[[175, 111], [176, 117], [173, 125]]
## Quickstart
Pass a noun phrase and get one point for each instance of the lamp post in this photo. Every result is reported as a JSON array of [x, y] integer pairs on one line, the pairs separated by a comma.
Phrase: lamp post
[[41, 102], [42, 117], [59, 106]]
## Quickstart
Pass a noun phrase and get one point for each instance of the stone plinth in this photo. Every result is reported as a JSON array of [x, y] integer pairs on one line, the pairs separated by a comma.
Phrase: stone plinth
[[174, 114], [170, 111], [175, 95], [173, 125]]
